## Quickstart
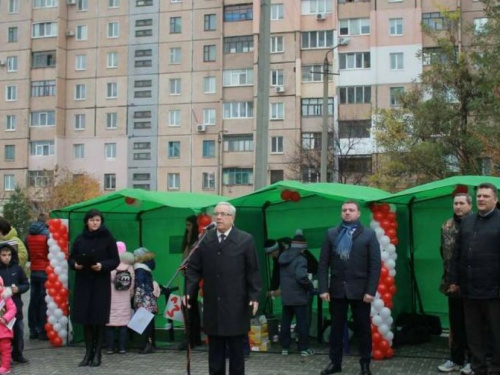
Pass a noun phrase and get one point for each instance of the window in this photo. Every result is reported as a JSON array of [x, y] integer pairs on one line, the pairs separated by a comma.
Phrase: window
[[110, 150], [175, 25], [354, 60], [277, 45], [142, 145], [277, 111], [12, 34], [81, 32], [434, 21], [313, 73], [43, 88], [175, 86], [82, 5], [237, 176], [208, 182], [209, 116], [78, 151], [141, 176], [276, 12], [355, 26], [174, 117], [316, 6], [111, 90], [209, 53], [10, 152], [113, 30], [44, 30], [355, 94], [143, 33], [209, 22], [209, 149], [109, 181], [480, 25], [175, 55], [44, 3], [174, 149], [238, 44], [395, 93], [144, 22], [80, 92], [173, 181], [395, 26], [237, 77], [397, 60], [10, 122], [111, 120], [356, 164], [13, 6], [142, 156], [276, 145], [11, 93], [112, 60], [11, 64], [312, 107], [40, 178], [235, 110], [277, 175], [113, 3], [143, 84], [41, 148], [143, 53], [277, 77], [436, 55], [238, 143], [9, 182], [354, 129], [311, 141], [143, 3], [43, 59], [317, 39], [242, 12], [80, 62], [80, 121], [42, 118], [209, 85]]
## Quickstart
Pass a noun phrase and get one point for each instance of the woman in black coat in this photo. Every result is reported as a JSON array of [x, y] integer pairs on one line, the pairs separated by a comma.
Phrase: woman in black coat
[[93, 256]]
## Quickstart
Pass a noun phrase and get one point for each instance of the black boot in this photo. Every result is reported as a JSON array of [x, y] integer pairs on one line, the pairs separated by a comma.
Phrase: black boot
[[331, 369], [148, 349], [89, 346], [98, 340], [365, 368]]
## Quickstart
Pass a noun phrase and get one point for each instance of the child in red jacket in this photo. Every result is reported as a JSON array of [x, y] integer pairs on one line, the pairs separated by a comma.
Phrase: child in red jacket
[[7, 314]]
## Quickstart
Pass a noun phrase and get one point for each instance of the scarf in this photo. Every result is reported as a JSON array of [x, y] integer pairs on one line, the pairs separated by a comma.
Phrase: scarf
[[343, 244]]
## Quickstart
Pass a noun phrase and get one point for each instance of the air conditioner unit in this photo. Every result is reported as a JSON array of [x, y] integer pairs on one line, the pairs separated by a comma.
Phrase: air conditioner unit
[[2, 62], [70, 33], [71, 2], [321, 16], [201, 127], [280, 89]]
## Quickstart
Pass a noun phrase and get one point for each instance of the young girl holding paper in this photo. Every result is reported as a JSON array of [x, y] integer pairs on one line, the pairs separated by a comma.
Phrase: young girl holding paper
[[7, 314]]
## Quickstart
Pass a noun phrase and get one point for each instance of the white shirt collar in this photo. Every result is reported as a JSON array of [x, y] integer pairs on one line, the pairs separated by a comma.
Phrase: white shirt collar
[[226, 233]]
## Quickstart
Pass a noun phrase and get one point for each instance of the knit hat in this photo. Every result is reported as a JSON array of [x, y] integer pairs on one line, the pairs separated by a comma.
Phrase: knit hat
[[142, 254], [127, 258], [299, 241], [121, 247], [270, 246], [284, 242]]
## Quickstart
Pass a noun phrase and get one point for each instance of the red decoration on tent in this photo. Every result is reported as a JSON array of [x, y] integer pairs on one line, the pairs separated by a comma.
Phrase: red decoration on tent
[[295, 196], [130, 201], [286, 195], [460, 189]]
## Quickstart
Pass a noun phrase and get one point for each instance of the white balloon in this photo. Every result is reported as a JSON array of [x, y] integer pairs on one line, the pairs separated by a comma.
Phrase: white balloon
[[63, 320], [48, 298], [51, 242], [385, 313], [51, 305], [394, 256], [58, 313], [374, 224], [63, 277], [52, 319], [389, 336], [384, 256], [384, 241], [378, 304], [57, 327], [51, 256], [63, 333], [391, 249], [389, 320], [54, 263], [392, 273], [61, 257], [54, 249], [379, 232], [389, 263], [383, 328], [377, 320], [58, 270]]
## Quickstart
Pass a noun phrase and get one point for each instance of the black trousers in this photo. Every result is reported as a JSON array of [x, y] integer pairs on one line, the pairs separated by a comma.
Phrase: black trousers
[[361, 315], [478, 313], [217, 355], [458, 337]]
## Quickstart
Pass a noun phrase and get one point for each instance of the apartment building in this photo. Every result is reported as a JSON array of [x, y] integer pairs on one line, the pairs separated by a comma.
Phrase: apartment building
[[161, 94]]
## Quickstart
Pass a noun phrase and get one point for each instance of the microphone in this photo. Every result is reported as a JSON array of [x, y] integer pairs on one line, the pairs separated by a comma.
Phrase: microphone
[[212, 225]]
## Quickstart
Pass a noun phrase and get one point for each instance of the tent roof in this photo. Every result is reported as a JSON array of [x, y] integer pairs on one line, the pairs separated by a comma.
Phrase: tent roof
[[439, 188], [332, 191], [147, 201]]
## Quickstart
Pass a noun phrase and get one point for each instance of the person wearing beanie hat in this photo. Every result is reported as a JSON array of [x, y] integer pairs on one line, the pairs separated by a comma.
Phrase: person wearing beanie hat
[[274, 250], [7, 313]]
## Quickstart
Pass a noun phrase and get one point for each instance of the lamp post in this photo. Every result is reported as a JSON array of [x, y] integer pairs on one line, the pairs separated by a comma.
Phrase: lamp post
[[324, 130]]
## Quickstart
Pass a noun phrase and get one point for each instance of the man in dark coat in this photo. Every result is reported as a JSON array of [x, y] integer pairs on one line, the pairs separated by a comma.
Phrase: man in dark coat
[[352, 254], [475, 273], [227, 262]]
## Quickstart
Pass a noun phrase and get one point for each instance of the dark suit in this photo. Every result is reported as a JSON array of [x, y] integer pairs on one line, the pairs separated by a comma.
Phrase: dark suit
[[231, 279], [350, 280]]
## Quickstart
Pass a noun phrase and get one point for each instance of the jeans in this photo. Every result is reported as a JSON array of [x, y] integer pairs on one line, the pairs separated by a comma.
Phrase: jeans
[[287, 314], [37, 310], [109, 333]]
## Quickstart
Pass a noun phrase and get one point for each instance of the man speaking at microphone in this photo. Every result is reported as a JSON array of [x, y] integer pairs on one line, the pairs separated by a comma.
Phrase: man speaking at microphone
[[227, 262]]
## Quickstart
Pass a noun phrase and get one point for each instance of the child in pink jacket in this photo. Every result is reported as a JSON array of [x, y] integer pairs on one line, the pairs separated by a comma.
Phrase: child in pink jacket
[[7, 313]]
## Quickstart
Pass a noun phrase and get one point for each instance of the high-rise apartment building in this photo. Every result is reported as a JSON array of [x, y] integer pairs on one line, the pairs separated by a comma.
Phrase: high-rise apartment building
[[161, 94]]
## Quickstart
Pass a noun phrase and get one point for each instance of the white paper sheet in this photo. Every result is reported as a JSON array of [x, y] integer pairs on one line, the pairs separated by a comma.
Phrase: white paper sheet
[[140, 320]]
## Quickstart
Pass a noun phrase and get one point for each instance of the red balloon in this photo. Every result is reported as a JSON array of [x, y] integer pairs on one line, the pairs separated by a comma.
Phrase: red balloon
[[57, 299], [377, 355], [295, 197], [393, 289], [394, 225], [129, 200], [52, 277], [389, 304], [48, 284], [64, 293], [51, 333], [52, 292], [387, 298], [384, 207], [378, 216], [376, 338], [382, 288], [391, 233], [47, 327], [389, 353], [286, 195], [56, 236], [203, 220], [57, 341], [56, 223], [389, 281], [374, 329], [384, 272], [58, 285], [385, 224], [391, 216], [394, 241], [49, 270], [383, 346]]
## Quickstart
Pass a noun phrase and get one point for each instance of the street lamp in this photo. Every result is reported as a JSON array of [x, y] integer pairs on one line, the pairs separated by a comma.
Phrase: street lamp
[[324, 131]]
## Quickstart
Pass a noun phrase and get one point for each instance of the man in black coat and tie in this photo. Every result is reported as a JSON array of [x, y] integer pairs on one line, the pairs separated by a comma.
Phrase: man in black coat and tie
[[227, 262], [352, 254]]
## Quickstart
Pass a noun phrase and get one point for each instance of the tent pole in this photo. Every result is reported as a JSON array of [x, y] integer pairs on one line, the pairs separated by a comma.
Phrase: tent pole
[[269, 301], [415, 292]]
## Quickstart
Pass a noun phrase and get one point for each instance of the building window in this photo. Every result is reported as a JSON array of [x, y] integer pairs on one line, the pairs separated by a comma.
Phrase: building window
[[395, 93], [11, 93], [277, 77], [175, 25], [397, 60], [355, 94], [113, 30], [9, 182], [175, 55], [44, 30], [276, 145], [11, 64], [113, 3], [174, 117], [209, 85], [143, 84], [209, 53], [78, 151], [209, 22], [236, 110], [143, 3], [80, 92], [174, 149], [276, 12], [311, 141], [44, 4], [209, 149], [316, 6], [80, 62], [277, 45], [110, 150], [82, 5], [277, 111], [81, 32], [142, 156], [43, 88], [80, 121], [237, 77], [395, 26], [141, 176], [10, 152], [173, 181], [111, 120], [112, 60], [12, 34], [13, 6], [242, 12], [142, 145], [142, 125], [40, 178], [354, 60], [356, 164], [208, 181], [434, 21], [313, 107], [109, 181], [317, 39], [144, 22], [277, 175], [143, 33], [313, 73], [435, 55], [41, 148], [111, 90], [354, 129], [355, 26], [238, 143], [209, 116], [480, 25], [42, 118], [238, 44], [237, 176], [175, 86], [10, 122], [43, 59]]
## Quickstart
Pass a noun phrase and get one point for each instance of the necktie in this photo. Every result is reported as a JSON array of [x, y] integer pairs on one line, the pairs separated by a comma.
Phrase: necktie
[[222, 237]]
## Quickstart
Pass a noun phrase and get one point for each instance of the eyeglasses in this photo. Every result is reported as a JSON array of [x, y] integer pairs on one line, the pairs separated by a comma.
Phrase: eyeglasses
[[223, 214]]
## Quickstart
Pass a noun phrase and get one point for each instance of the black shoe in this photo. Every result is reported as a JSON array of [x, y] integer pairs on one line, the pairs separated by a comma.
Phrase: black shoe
[[331, 369], [148, 349], [33, 336], [365, 369], [87, 359], [21, 360]]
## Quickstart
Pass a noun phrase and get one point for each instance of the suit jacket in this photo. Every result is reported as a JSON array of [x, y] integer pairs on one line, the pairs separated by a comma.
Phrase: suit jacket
[[356, 276], [231, 279]]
